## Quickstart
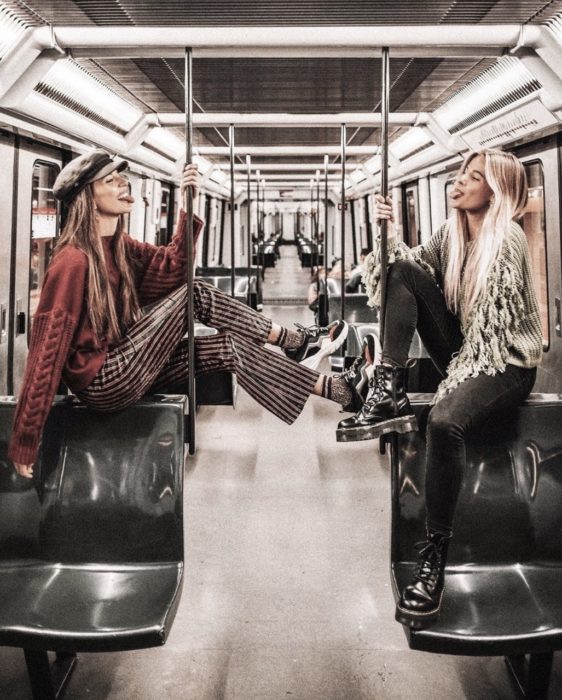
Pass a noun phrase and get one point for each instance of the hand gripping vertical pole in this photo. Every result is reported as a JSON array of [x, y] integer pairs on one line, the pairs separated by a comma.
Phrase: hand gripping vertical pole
[[384, 184], [232, 233], [189, 250], [249, 225], [342, 204]]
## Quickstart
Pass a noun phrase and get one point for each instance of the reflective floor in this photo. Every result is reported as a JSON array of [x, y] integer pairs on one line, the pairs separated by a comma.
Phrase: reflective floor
[[286, 591]]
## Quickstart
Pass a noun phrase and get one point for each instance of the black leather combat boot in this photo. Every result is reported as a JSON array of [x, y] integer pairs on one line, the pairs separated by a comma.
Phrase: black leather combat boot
[[419, 604], [357, 376], [386, 409]]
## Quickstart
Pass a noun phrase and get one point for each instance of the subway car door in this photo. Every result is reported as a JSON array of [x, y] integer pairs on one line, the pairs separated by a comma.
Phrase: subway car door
[[7, 184], [541, 223], [35, 229]]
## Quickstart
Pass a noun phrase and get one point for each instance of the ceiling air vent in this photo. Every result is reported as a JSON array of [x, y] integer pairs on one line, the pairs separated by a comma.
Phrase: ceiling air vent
[[11, 29], [500, 86], [73, 87]]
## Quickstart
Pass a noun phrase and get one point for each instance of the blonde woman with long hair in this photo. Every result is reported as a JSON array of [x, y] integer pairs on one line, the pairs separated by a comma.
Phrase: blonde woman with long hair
[[469, 293], [91, 329]]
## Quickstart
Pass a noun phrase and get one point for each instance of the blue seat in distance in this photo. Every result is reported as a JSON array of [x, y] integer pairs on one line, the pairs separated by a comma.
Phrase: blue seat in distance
[[91, 549], [503, 592]]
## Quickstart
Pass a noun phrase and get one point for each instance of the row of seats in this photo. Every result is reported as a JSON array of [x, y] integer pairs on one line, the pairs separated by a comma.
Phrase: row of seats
[[266, 252], [311, 254], [67, 584]]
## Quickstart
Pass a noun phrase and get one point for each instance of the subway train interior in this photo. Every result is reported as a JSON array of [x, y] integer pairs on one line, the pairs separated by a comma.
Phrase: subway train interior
[[194, 545]]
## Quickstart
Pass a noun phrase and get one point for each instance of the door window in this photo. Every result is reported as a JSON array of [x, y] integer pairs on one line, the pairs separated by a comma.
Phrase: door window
[[533, 223], [44, 227]]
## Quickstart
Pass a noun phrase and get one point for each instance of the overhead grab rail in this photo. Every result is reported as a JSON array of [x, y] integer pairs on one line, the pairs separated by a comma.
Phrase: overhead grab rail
[[443, 40]]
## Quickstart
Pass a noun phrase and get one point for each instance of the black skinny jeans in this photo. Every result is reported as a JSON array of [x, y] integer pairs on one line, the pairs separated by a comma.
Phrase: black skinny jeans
[[421, 304]]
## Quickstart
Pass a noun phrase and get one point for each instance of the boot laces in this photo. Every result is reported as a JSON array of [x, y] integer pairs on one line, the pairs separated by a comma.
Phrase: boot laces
[[310, 331], [376, 391], [349, 374], [430, 564]]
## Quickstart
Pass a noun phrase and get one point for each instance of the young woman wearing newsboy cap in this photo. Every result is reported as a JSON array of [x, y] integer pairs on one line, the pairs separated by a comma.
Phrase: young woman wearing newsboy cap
[[90, 328]]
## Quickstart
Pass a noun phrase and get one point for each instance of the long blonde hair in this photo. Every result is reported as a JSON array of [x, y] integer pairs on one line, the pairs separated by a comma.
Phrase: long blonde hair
[[80, 231], [506, 178]]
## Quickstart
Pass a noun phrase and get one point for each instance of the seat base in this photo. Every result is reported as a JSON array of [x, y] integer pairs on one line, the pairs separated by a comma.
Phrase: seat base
[[492, 610], [87, 608]]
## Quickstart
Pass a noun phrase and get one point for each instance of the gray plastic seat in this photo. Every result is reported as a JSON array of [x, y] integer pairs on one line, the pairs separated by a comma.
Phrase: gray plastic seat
[[503, 593], [91, 549]]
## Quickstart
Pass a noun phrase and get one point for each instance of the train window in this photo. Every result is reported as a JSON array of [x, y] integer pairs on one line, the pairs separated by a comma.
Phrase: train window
[[164, 226], [412, 233], [448, 187], [533, 223], [44, 227]]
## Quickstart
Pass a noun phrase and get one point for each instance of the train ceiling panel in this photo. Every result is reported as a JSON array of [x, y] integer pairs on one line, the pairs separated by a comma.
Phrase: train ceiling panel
[[314, 84], [282, 12]]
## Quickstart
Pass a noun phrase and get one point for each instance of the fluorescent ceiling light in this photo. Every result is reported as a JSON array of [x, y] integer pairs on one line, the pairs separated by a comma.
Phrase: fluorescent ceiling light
[[218, 176], [373, 165], [166, 142], [357, 176], [71, 85], [414, 138], [203, 165]]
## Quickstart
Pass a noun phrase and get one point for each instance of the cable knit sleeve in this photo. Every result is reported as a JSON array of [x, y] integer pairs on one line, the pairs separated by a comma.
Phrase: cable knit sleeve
[[161, 269], [54, 326], [428, 256]]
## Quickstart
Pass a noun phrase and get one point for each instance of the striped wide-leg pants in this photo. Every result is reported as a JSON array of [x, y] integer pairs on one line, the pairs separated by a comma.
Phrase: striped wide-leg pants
[[153, 355]]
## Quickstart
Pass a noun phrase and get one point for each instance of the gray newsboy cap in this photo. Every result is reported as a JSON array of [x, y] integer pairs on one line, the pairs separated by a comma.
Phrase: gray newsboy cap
[[85, 169]]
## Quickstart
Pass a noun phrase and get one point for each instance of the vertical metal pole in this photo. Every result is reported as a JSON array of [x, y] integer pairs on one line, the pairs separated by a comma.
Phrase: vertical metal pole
[[263, 210], [258, 219], [249, 224], [368, 226], [314, 257], [353, 231], [326, 160], [384, 184], [311, 208], [343, 142], [189, 250], [232, 237]]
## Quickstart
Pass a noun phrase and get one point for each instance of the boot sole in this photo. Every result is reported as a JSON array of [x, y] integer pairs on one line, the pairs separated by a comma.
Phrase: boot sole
[[417, 620], [406, 424]]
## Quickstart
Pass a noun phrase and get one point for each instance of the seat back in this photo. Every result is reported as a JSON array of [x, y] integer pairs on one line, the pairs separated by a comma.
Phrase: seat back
[[224, 283], [107, 486], [510, 504], [356, 309]]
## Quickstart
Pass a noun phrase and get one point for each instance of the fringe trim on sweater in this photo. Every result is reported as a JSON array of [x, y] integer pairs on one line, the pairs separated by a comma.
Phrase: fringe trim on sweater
[[488, 331]]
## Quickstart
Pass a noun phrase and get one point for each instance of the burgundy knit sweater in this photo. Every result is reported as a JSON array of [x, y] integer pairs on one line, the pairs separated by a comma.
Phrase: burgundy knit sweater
[[63, 343]]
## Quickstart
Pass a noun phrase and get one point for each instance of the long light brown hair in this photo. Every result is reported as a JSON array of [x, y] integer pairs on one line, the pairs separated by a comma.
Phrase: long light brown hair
[[108, 316], [506, 177]]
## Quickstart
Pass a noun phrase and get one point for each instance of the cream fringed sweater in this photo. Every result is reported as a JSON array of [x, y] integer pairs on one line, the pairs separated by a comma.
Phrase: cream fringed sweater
[[503, 326]]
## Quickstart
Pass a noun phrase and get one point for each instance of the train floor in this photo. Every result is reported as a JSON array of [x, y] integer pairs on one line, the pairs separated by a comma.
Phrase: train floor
[[287, 590]]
